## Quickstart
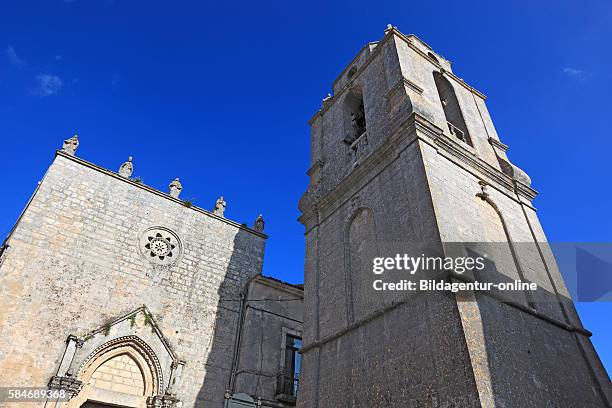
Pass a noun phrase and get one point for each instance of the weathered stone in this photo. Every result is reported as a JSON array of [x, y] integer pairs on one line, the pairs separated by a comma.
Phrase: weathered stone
[[126, 168], [116, 293], [219, 207], [259, 223], [70, 145], [430, 141], [76, 267], [175, 188]]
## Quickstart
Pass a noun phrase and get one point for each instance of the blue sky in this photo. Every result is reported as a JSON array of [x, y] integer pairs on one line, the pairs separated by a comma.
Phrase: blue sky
[[219, 93]]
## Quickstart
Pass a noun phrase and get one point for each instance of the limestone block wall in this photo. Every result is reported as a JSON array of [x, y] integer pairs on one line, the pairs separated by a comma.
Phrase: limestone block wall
[[355, 355], [560, 362], [120, 374], [395, 78], [76, 260], [377, 71], [414, 181], [418, 68]]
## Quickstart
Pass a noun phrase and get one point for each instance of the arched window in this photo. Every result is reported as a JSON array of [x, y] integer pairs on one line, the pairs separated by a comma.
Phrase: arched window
[[360, 243], [452, 110], [122, 371], [354, 115], [502, 262], [433, 57], [351, 73]]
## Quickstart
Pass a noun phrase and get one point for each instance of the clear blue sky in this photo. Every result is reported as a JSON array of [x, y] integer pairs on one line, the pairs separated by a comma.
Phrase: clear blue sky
[[219, 93]]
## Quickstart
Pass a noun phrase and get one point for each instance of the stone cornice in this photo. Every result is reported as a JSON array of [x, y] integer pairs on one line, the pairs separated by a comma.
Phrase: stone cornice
[[359, 177], [389, 33], [350, 64], [277, 284], [410, 43], [467, 158], [497, 143], [526, 191], [400, 84], [445, 144], [369, 59], [415, 127], [152, 190]]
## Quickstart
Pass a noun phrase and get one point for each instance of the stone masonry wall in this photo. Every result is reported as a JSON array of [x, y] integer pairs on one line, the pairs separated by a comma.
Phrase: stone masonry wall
[[74, 263], [422, 184], [272, 311], [561, 372], [120, 374]]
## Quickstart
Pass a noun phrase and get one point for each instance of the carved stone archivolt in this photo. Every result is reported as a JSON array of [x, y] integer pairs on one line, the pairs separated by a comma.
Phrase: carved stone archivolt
[[134, 337], [128, 345]]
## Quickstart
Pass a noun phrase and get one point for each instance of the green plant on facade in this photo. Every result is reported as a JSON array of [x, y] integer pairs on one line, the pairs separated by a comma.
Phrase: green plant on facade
[[132, 320]]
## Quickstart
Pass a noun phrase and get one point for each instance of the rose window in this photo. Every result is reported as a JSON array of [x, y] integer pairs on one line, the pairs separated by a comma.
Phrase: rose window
[[160, 245]]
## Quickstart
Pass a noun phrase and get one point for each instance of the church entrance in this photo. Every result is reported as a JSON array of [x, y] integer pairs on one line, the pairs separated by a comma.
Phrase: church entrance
[[117, 382], [93, 404], [120, 375]]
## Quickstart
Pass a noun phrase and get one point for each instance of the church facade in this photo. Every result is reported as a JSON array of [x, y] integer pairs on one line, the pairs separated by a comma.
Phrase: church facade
[[139, 299], [116, 294]]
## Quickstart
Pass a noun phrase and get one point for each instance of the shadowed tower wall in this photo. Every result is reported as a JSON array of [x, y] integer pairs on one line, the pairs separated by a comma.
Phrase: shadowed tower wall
[[405, 151]]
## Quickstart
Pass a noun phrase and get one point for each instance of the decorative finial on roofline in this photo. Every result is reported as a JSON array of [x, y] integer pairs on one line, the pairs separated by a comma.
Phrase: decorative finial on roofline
[[259, 223], [175, 188], [220, 207], [70, 145], [126, 168]]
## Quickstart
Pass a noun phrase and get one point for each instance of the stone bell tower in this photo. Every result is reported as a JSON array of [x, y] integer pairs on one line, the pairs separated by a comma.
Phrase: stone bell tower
[[405, 150]]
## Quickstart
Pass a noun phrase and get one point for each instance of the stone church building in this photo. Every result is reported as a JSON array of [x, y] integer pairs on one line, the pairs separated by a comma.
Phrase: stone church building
[[120, 295]]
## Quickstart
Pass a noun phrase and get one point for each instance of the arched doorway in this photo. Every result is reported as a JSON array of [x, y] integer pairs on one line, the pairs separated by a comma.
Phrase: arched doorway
[[122, 373]]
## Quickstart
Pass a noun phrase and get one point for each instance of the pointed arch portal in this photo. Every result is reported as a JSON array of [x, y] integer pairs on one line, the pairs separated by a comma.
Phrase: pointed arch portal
[[121, 373]]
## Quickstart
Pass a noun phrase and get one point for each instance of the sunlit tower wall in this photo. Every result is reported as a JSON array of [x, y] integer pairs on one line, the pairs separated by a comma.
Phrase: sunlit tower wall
[[405, 150]]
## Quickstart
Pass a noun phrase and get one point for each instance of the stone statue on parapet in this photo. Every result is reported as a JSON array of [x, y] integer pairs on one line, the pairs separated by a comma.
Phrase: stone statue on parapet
[[259, 223], [175, 188], [70, 145], [126, 168], [220, 207]]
